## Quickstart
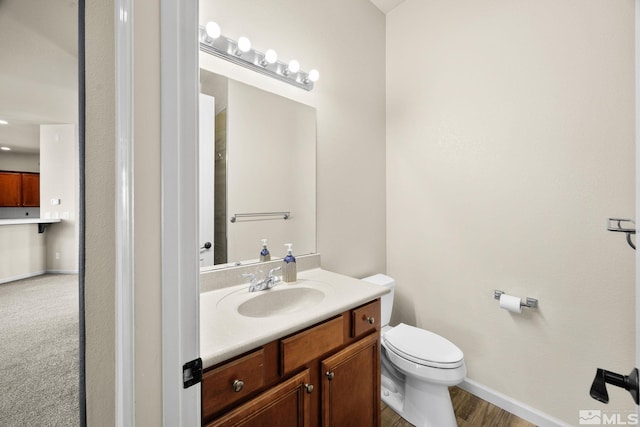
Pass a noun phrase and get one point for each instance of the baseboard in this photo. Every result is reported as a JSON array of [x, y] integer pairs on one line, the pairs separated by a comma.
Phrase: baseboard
[[21, 276], [513, 406], [62, 271]]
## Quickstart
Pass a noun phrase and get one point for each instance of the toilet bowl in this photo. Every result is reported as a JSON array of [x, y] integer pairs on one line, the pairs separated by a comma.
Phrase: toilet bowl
[[417, 368]]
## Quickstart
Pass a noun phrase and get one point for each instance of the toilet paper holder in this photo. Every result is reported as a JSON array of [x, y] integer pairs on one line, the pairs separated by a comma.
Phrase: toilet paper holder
[[530, 302]]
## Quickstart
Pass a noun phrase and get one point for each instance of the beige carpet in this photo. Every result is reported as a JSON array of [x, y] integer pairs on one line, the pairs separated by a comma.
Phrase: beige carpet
[[39, 352]]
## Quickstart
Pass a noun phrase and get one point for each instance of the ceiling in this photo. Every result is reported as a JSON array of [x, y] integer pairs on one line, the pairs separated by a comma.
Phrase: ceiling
[[38, 69], [386, 5]]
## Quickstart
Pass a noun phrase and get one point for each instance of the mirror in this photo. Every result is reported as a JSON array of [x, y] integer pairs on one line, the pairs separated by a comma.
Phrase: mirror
[[258, 173]]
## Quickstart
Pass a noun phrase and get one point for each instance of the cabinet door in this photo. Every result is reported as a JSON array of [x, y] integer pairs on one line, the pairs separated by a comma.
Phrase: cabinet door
[[284, 405], [10, 189], [351, 385], [31, 189]]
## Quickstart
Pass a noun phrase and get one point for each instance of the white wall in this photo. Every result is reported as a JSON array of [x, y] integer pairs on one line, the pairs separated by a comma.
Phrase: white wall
[[19, 162], [22, 250], [271, 167], [510, 140], [59, 180]]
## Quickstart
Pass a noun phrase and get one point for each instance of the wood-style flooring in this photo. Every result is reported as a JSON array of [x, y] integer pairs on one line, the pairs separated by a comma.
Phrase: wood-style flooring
[[471, 411]]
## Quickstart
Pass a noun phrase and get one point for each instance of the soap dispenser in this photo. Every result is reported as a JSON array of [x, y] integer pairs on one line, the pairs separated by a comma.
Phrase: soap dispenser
[[264, 253], [290, 273]]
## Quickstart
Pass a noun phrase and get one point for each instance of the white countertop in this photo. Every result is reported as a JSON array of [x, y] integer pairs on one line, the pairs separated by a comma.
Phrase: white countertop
[[18, 221], [224, 333]]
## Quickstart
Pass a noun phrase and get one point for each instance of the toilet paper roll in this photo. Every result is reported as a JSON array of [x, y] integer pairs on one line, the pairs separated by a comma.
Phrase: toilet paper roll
[[510, 303]]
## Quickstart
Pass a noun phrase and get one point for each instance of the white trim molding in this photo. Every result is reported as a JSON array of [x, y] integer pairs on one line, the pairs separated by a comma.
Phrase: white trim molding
[[125, 337], [637, 117], [513, 406], [180, 255]]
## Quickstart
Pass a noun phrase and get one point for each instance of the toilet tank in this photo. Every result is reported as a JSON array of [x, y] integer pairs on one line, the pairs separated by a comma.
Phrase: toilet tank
[[387, 299]]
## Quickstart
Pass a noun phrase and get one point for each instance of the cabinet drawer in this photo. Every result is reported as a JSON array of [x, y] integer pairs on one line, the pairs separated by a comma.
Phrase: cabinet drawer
[[232, 381], [286, 404], [365, 319], [310, 344]]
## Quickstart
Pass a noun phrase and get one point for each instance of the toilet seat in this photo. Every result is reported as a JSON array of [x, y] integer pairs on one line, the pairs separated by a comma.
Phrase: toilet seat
[[423, 347]]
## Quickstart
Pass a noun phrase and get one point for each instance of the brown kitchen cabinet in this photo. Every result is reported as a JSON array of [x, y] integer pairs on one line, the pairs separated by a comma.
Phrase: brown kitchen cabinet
[[19, 189], [30, 189], [324, 375]]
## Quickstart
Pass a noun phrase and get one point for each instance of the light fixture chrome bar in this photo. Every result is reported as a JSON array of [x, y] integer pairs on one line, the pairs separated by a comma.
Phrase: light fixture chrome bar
[[226, 48]]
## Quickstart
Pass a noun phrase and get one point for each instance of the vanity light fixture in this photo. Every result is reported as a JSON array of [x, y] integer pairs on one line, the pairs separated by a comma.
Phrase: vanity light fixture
[[313, 76], [212, 31], [244, 46], [240, 52], [270, 57]]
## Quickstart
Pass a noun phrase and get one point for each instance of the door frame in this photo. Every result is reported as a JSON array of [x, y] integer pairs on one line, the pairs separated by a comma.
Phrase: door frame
[[179, 187], [179, 169], [637, 144]]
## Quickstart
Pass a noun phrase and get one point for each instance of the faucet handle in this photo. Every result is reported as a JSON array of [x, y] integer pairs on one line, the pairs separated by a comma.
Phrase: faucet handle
[[273, 270]]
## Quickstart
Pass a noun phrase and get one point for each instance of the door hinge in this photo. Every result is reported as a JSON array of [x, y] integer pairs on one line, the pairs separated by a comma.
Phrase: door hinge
[[192, 372]]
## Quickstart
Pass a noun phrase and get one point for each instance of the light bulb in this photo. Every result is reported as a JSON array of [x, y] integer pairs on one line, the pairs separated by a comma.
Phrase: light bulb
[[294, 66], [314, 75], [271, 56], [5, 148], [244, 45], [3, 122], [213, 30]]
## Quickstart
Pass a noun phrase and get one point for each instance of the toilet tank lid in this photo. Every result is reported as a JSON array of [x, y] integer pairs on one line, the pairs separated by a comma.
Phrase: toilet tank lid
[[380, 279]]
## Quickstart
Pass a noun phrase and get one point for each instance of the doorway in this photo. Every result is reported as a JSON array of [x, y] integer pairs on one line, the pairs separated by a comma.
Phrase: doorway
[[41, 285]]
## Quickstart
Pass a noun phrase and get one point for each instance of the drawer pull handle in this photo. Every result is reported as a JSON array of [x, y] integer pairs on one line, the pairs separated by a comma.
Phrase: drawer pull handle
[[371, 320], [330, 375], [238, 385], [309, 388]]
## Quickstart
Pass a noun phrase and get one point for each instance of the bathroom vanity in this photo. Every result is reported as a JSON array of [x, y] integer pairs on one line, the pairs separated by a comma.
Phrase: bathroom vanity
[[304, 354]]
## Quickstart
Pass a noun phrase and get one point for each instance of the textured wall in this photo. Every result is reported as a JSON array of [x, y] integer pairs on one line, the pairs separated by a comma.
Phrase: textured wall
[[510, 140], [100, 202]]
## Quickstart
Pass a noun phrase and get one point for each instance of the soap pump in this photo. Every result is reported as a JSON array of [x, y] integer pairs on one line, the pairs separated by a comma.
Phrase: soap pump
[[290, 271], [264, 253]]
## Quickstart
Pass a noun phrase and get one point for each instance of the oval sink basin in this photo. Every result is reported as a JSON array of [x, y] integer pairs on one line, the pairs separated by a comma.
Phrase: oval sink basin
[[280, 301]]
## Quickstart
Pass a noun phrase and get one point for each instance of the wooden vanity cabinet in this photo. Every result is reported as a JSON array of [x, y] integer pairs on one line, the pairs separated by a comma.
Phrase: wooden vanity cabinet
[[325, 375], [285, 404]]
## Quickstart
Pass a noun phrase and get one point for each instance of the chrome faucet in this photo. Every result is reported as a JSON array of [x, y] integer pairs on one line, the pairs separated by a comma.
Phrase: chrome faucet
[[269, 282]]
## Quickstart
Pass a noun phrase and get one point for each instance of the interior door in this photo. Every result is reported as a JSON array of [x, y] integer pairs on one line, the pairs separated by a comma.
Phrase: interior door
[[206, 156], [603, 377]]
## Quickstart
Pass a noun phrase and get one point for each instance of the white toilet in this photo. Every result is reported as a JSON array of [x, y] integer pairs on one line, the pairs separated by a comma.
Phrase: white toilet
[[417, 368]]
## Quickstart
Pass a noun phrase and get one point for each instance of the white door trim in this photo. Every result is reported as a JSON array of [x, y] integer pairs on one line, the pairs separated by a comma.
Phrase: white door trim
[[124, 292], [180, 265], [637, 81]]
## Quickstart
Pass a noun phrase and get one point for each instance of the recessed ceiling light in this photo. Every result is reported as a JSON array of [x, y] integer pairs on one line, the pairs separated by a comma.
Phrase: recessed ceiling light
[[3, 122], [5, 148]]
